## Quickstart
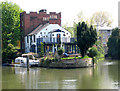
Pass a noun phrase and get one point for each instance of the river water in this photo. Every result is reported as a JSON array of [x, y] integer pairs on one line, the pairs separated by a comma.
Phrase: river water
[[103, 76]]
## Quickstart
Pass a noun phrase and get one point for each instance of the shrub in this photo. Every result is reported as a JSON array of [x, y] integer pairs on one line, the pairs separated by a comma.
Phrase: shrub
[[60, 51], [9, 54], [93, 52]]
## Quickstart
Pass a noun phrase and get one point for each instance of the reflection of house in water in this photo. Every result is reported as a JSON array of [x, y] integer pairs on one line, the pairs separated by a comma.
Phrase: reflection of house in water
[[105, 32], [27, 78]]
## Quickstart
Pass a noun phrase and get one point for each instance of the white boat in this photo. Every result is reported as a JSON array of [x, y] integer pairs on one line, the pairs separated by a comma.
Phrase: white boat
[[22, 61]]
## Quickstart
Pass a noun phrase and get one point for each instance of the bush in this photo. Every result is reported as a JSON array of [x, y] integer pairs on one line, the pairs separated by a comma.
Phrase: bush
[[93, 52], [60, 51], [9, 53], [41, 50]]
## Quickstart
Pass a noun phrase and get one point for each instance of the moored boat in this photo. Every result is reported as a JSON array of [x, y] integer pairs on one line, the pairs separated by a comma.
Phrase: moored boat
[[22, 61]]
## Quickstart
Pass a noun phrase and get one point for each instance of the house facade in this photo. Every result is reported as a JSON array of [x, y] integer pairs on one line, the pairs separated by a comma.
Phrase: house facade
[[52, 35], [30, 21]]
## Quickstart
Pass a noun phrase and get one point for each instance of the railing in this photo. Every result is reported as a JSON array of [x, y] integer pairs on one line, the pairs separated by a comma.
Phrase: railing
[[56, 40]]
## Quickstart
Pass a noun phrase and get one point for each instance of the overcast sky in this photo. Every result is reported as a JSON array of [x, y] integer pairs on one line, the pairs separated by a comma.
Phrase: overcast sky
[[70, 8]]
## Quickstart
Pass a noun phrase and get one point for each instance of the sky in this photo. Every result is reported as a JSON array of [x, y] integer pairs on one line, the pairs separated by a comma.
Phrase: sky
[[70, 8]]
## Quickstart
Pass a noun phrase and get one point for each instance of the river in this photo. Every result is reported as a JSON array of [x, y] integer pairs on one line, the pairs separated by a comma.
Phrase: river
[[103, 76]]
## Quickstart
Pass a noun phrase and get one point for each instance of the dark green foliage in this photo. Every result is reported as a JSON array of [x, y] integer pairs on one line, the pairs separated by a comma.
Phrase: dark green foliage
[[93, 52], [60, 51], [10, 29], [41, 50], [99, 46], [86, 37], [114, 44], [9, 53], [10, 23]]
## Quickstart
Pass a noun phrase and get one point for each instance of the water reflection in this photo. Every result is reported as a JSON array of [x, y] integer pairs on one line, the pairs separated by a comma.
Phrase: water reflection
[[99, 77]]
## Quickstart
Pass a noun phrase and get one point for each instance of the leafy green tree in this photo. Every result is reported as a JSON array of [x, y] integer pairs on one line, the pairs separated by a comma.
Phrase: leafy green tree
[[86, 37], [9, 53], [93, 52], [114, 44], [99, 44], [60, 51], [10, 23], [42, 49], [101, 18]]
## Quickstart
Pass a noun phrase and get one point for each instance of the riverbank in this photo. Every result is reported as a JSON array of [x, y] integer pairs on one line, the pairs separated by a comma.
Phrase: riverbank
[[67, 63]]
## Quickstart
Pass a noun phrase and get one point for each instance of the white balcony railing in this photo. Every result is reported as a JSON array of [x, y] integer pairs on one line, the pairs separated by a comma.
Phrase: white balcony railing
[[55, 39]]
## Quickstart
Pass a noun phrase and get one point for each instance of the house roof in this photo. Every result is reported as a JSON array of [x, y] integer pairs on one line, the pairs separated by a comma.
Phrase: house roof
[[38, 29]]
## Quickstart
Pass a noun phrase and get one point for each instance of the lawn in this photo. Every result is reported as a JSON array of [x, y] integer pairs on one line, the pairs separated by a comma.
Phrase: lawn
[[75, 57]]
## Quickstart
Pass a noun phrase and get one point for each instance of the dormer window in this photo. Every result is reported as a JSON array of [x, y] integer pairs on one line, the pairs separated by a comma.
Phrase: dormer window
[[40, 32]]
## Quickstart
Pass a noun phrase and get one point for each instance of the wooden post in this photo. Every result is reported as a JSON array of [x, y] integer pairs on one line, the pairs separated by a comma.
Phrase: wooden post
[[27, 63], [93, 61]]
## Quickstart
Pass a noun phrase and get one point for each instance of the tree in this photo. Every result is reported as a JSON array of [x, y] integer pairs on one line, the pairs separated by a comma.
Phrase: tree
[[10, 23], [86, 37], [70, 29], [93, 52], [81, 17], [101, 18], [42, 50], [60, 52], [114, 44], [9, 53], [99, 44]]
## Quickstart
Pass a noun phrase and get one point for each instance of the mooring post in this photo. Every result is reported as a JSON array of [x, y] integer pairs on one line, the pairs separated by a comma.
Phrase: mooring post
[[93, 61], [27, 63]]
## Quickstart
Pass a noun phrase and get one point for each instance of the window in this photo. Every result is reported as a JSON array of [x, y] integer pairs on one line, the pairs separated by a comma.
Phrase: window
[[34, 37], [40, 32], [45, 18], [44, 32], [63, 34], [52, 34], [67, 33], [27, 39], [53, 16], [30, 38]]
